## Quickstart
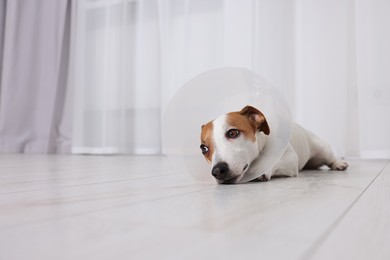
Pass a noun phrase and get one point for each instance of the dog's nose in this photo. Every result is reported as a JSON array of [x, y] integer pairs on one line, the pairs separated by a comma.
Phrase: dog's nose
[[220, 170]]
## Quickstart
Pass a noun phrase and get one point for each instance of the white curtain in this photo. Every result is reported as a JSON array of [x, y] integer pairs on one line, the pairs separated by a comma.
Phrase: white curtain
[[331, 60], [35, 114]]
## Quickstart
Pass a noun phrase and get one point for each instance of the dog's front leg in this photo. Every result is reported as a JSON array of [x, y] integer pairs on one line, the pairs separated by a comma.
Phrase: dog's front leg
[[287, 166], [264, 177]]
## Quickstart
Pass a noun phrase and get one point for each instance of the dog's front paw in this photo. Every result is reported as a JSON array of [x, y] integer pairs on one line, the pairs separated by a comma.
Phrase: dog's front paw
[[339, 165], [264, 177]]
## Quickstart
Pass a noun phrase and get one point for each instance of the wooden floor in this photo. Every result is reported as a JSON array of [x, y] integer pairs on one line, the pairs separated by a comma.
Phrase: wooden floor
[[121, 207]]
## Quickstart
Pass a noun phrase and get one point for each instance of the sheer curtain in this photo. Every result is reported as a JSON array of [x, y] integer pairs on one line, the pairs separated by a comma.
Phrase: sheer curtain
[[35, 103], [329, 58]]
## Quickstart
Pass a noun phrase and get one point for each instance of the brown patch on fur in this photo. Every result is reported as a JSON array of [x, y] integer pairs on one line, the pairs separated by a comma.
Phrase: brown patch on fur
[[256, 117], [206, 138], [237, 121]]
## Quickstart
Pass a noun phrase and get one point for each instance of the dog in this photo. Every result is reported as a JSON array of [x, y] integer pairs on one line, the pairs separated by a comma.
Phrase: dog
[[233, 143]]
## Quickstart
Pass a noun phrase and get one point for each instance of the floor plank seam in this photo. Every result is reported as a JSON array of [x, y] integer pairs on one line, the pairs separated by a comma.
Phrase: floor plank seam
[[85, 184], [56, 218], [316, 245]]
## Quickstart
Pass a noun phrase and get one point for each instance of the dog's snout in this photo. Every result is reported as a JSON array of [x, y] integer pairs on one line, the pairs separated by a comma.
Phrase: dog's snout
[[220, 170]]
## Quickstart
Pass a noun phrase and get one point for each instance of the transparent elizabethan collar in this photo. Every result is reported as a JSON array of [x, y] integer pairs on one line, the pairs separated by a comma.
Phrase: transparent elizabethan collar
[[210, 95]]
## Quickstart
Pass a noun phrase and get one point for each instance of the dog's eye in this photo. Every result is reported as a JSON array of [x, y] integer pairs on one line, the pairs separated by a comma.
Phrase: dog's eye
[[204, 149], [232, 133]]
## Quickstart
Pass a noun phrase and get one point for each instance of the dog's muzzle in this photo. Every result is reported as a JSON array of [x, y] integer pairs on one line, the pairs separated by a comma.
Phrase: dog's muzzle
[[220, 171]]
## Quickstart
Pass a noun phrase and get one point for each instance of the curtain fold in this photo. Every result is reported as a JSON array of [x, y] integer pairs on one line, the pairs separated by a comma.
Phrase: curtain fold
[[33, 114], [111, 115]]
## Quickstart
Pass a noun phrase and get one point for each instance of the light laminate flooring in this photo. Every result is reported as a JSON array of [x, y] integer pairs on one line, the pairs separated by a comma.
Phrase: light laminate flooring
[[124, 207]]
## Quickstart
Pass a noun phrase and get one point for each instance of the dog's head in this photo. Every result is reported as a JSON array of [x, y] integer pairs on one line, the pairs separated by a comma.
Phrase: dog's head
[[230, 143]]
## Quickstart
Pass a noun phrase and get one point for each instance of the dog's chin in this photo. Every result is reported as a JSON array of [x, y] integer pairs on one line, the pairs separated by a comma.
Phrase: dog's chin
[[234, 177], [231, 180], [228, 181]]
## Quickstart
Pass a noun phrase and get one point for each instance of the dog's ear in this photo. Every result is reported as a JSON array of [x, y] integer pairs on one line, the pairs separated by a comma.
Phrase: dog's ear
[[257, 117]]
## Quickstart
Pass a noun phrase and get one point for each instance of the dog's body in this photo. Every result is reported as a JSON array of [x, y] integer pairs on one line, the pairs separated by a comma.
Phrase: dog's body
[[233, 143]]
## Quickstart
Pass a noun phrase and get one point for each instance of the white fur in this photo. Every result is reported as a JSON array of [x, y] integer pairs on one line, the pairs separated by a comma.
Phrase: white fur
[[238, 152], [304, 149]]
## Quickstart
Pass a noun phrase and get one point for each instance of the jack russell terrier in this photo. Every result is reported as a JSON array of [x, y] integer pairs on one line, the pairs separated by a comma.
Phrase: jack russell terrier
[[232, 144]]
